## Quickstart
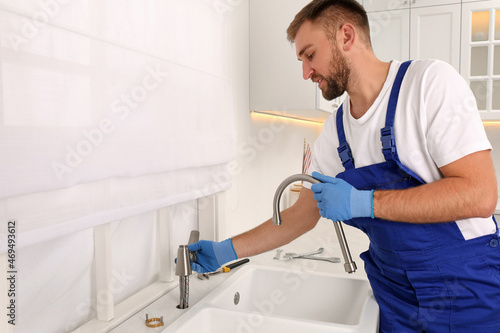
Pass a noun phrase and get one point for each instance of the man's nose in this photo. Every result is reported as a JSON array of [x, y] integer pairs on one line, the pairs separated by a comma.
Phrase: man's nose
[[307, 71]]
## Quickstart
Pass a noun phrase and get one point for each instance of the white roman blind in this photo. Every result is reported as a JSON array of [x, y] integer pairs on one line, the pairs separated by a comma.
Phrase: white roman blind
[[110, 109]]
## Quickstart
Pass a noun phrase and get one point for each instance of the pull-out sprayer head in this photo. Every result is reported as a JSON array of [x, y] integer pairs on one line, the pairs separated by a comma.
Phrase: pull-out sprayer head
[[194, 237]]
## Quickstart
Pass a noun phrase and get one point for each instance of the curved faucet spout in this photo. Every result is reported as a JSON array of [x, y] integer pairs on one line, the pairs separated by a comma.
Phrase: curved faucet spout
[[349, 265], [281, 189]]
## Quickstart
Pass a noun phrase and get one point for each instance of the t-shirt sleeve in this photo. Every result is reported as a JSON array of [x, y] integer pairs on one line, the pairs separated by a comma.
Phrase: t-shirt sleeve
[[454, 125]]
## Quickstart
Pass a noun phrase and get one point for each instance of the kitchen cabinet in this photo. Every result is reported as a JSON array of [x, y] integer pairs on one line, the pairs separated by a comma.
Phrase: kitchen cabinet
[[390, 32], [435, 33], [416, 30], [480, 61], [427, 3], [464, 34], [385, 5], [276, 83]]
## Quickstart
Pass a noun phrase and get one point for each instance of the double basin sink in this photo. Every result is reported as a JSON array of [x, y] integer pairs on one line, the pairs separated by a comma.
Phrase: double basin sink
[[261, 299]]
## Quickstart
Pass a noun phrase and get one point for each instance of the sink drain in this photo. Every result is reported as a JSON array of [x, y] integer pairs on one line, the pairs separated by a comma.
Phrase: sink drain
[[236, 298]]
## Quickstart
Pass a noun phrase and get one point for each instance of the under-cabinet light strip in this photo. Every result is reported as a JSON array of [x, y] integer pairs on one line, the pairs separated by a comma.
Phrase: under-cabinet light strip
[[287, 117]]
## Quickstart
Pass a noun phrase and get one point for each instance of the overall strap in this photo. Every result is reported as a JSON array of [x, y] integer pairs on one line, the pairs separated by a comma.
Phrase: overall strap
[[387, 133], [344, 150], [388, 137]]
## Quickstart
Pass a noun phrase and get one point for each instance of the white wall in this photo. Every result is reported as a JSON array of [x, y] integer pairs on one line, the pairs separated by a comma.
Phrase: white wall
[[269, 148], [59, 294]]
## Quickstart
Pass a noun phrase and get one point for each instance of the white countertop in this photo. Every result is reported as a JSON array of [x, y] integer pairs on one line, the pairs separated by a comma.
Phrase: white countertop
[[322, 236]]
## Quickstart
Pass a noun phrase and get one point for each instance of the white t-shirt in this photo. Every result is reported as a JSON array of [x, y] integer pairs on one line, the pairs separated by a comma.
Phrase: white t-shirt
[[436, 123]]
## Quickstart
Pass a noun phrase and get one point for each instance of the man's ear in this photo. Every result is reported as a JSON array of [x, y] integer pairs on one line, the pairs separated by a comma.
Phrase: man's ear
[[348, 36]]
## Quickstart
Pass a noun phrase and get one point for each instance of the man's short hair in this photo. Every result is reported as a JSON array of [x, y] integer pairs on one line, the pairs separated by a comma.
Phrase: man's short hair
[[331, 15]]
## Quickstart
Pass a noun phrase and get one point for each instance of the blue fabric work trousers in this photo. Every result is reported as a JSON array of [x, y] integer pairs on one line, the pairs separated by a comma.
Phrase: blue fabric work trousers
[[425, 277]]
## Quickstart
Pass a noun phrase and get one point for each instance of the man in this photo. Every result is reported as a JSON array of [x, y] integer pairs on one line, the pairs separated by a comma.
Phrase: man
[[406, 160]]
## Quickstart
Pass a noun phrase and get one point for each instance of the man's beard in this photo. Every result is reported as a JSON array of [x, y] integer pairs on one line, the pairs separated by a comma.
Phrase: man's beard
[[338, 77]]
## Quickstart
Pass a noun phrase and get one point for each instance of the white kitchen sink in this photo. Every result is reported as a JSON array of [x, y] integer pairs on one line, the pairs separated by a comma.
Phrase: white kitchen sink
[[270, 299]]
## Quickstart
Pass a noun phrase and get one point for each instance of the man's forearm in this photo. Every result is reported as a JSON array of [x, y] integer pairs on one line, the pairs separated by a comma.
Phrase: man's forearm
[[296, 221], [468, 190]]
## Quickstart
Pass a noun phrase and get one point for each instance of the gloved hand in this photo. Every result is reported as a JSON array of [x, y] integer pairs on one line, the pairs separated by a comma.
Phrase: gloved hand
[[340, 201], [212, 255]]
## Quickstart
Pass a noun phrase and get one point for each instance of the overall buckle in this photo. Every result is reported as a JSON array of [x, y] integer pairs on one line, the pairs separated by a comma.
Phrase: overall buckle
[[345, 155], [388, 142]]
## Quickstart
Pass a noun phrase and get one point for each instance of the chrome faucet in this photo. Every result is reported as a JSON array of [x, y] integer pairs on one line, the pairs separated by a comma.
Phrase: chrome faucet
[[349, 265], [183, 268]]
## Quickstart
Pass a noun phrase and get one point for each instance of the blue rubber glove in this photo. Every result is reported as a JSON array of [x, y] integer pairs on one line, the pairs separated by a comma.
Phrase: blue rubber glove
[[212, 255], [340, 201]]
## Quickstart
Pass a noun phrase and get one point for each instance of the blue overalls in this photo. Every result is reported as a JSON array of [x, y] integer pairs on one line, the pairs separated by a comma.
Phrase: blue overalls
[[425, 277]]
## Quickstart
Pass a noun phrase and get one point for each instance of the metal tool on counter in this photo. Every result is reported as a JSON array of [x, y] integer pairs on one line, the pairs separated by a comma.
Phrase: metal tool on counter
[[223, 269], [289, 256], [310, 255], [183, 269], [318, 251]]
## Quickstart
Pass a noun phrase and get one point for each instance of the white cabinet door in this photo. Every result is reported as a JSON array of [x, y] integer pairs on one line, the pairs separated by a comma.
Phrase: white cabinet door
[[276, 81], [385, 5], [426, 3], [435, 33], [390, 31], [480, 61]]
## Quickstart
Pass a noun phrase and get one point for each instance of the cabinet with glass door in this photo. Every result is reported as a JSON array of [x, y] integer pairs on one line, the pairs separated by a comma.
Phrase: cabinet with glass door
[[480, 58]]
